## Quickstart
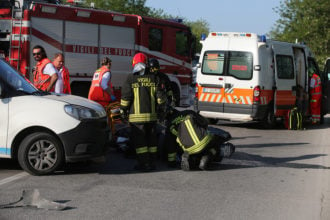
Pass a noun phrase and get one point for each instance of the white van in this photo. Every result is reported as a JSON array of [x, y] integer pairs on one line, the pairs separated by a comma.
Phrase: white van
[[246, 77], [44, 130]]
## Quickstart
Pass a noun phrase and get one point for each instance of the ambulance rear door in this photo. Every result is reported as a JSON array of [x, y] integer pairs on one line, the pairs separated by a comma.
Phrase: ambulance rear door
[[285, 79], [211, 81], [238, 83]]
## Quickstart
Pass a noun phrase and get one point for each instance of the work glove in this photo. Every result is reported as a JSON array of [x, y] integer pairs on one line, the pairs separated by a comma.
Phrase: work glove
[[124, 114]]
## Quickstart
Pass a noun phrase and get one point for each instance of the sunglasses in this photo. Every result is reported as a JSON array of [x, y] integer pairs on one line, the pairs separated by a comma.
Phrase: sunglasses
[[35, 54]]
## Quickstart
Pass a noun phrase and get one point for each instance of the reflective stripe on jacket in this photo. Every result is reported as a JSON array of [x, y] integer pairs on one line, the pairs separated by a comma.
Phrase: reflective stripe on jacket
[[190, 136], [141, 96]]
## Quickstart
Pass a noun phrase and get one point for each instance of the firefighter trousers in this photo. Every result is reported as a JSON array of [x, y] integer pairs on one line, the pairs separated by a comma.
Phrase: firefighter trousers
[[144, 139]]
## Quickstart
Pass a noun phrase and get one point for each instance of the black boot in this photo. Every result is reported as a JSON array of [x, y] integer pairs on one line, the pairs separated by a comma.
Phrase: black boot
[[185, 161], [204, 162], [227, 149]]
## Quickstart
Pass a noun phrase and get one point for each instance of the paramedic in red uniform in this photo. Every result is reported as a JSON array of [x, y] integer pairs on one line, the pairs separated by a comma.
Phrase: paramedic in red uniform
[[63, 82], [45, 74], [315, 92], [101, 89]]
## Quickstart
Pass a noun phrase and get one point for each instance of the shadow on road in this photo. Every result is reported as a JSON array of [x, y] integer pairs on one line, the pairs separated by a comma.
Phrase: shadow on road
[[244, 160], [9, 164], [269, 145]]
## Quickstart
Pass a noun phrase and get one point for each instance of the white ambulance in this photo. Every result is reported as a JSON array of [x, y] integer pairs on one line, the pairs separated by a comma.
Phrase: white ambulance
[[44, 130], [246, 77]]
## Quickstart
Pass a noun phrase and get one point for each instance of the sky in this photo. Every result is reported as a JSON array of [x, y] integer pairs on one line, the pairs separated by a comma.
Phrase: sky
[[254, 16]]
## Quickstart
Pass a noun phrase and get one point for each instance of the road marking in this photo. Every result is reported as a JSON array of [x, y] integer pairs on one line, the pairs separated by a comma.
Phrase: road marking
[[13, 178]]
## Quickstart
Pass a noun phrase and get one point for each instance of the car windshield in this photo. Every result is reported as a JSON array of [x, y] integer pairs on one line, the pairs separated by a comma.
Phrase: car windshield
[[11, 77]]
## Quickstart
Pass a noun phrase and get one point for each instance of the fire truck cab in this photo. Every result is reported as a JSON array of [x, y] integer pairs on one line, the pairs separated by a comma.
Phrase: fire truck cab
[[86, 35], [246, 77]]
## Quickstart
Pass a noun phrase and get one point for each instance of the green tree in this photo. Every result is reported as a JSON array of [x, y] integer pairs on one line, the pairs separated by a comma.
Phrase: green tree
[[198, 28], [307, 21], [123, 6]]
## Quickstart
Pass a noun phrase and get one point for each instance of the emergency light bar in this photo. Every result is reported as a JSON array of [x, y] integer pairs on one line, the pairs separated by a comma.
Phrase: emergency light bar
[[217, 34]]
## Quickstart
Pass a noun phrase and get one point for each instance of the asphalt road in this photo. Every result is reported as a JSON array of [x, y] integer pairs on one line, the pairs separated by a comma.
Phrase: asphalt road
[[274, 174]]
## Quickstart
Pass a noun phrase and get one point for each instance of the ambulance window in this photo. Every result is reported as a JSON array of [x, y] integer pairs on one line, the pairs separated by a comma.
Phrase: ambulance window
[[213, 62], [240, 64], [181, 43], [284, 66], [155, 39]]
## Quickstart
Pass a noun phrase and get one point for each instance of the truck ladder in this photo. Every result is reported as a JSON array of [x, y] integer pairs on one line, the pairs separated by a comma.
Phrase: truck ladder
[[17, 17]]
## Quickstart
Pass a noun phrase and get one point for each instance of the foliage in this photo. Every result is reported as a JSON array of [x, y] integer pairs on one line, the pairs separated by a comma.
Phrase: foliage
[[307, 21], [198, 28], [123, 6]]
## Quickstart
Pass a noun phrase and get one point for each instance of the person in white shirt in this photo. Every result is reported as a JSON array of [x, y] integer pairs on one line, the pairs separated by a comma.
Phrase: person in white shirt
[[45, 74]]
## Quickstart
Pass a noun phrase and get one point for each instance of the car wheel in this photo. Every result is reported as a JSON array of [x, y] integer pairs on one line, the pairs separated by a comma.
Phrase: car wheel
[[40, 153]]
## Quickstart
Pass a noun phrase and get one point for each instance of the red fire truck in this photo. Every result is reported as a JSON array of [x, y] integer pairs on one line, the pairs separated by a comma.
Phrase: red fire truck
[[86, 35]]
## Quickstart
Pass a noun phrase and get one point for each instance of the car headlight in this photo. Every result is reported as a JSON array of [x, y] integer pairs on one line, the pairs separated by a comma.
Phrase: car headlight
[[80, 112]]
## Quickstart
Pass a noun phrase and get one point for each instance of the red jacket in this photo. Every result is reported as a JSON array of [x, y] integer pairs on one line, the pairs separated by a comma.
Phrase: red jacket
[[96, 93], [40, 80], [66, 80]]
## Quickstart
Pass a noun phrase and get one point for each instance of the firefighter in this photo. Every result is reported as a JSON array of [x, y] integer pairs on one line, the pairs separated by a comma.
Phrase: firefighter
[[63, 82], [44, 74], [154, 68], [101, 90], [315, 92], [199, 147], [142, 98]]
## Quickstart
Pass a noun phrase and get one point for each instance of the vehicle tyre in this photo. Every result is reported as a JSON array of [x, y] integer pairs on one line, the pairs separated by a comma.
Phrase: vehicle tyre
[[212, 121], [269, 120], [40, 153]]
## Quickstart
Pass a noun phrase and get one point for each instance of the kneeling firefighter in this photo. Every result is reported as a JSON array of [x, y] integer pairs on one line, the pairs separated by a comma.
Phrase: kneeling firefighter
[[199, 145]]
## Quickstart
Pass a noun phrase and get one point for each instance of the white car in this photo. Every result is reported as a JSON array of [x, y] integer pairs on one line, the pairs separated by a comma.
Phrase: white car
[[44, 130]]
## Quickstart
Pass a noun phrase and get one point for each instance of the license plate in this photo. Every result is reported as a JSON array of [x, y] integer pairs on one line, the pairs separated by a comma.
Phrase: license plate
[[211, 90]]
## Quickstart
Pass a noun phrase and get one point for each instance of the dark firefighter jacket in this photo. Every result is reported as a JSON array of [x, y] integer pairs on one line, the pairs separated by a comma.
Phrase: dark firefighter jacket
[[191, 131], [142, 97], [168, 88]]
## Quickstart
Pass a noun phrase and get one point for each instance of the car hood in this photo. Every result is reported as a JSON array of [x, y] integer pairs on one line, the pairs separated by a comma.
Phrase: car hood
[[76, 100]]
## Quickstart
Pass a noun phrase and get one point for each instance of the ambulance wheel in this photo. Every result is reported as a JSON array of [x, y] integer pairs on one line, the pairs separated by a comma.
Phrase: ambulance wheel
[[40, 153], [270, 120]]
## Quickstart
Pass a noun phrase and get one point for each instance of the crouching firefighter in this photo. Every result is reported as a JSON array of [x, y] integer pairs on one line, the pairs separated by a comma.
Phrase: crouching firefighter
[[199, 145], [142, 98]]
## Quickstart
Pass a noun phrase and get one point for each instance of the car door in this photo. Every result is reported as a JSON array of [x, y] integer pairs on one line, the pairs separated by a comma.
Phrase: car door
[[327, 82], [4, 106], [285, 79]]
